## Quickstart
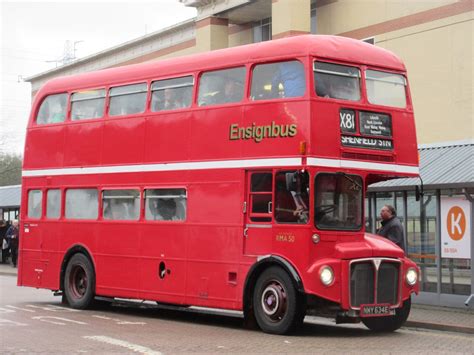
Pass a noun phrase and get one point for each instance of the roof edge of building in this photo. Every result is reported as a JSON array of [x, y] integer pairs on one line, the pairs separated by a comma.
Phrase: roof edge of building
[[469, 141], [112, 49], [9, 186]]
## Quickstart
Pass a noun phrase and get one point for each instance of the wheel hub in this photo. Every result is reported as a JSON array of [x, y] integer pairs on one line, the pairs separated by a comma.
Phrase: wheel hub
[[274, 301]]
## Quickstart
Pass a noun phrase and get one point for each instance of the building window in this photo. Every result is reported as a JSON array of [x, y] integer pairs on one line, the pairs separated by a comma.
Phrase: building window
[[262, 30], [370, 40], [313, 18]]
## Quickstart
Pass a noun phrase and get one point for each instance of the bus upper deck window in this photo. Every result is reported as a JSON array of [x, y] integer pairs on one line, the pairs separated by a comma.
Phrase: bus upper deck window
[[87, 104], [385, 88], [53, 109], [128, 99], [337, 81], [221, 86], [172, 94], [278, 80]]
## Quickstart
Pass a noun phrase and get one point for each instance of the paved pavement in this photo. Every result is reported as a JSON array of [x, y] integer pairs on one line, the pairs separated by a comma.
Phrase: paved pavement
[[421, 316]]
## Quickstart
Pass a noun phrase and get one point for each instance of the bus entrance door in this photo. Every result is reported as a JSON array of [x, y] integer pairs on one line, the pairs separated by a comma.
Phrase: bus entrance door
[[258, 222]]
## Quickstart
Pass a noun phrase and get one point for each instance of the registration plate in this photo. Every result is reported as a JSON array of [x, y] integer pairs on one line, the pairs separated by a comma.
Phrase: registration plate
[[376, 310]]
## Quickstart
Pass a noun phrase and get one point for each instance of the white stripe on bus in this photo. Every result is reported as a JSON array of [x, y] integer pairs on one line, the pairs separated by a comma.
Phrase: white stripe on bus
[[223, 164]]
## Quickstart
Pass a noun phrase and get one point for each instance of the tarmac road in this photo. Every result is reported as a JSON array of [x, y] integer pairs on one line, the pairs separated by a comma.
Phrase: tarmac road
[[34, 321]]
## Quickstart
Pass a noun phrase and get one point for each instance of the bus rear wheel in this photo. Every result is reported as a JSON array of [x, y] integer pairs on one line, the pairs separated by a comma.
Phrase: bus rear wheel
[[278, 307], [79, 282], [391, 323]]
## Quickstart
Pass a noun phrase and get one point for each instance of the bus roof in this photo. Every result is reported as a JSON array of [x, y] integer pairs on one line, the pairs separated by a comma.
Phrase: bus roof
[[327, 47]]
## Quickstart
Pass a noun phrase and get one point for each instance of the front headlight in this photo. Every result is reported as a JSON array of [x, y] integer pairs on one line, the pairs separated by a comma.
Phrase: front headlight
[[326, 275], [411, 276]]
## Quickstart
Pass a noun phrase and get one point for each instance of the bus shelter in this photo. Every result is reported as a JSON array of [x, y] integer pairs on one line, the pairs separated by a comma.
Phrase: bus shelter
[[10, 197], [438, 226]]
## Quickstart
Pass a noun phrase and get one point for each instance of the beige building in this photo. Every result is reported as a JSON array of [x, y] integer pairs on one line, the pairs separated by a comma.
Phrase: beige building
[[433, 37]]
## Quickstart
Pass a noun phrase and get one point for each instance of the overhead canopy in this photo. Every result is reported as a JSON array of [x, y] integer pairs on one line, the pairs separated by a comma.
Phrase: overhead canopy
[[442, 166], [10, 196]]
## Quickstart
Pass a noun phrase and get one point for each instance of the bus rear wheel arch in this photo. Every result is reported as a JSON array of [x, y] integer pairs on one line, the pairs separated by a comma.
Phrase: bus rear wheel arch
[[278, 307], [79, 282]]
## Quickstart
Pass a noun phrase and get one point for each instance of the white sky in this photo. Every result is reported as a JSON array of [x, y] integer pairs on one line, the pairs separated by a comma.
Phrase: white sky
[[34, 32]]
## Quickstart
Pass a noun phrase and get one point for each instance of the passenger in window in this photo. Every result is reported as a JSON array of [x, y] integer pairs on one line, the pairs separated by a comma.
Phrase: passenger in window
[[164, 210], [171, 100], [338, 88], [289, 80], [232, 91]]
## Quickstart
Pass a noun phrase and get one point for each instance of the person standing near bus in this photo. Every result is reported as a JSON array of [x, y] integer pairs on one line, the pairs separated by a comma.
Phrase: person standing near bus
[[13, 238], [392, 228], [3, 240]]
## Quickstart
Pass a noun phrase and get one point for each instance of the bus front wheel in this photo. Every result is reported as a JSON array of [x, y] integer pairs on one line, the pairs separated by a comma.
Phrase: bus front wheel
[[79, 282], [278, 306], [391, 323]]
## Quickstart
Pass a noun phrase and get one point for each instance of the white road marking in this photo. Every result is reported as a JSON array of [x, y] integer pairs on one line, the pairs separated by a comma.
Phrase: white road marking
[[20, 309], [124, 344], [131, 323], [52, 308], [4, 310], [118, 321], [10, 323], [48, 319]]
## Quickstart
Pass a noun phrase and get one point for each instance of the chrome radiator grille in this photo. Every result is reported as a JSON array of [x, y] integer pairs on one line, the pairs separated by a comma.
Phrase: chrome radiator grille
[[374, 281]]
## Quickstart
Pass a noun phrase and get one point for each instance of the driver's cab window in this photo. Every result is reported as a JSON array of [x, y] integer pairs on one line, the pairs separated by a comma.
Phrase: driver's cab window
[[292, 197], [261, 192], [338, 201]]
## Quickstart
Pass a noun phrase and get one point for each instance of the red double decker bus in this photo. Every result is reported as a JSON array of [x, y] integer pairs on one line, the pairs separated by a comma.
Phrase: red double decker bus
[[233, 179]]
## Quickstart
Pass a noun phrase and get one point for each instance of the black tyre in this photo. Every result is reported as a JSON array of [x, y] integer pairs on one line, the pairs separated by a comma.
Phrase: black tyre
[[278, 307], [392, 323], [79, 282]]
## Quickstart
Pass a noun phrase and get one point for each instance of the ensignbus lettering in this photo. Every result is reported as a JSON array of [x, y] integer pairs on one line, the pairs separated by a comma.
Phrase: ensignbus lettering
[[258, 133]]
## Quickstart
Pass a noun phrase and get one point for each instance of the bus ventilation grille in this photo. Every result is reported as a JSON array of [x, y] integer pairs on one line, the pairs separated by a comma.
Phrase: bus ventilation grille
[[371, 286], [359, 156]]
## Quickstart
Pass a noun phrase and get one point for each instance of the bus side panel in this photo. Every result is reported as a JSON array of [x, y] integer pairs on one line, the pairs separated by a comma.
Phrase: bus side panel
[[210, 138], [116, 256], [167, 137], [84, 143], [45, 147], [215, 239], [279, 128], [124, 140], [213, 266], [162, 263]]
